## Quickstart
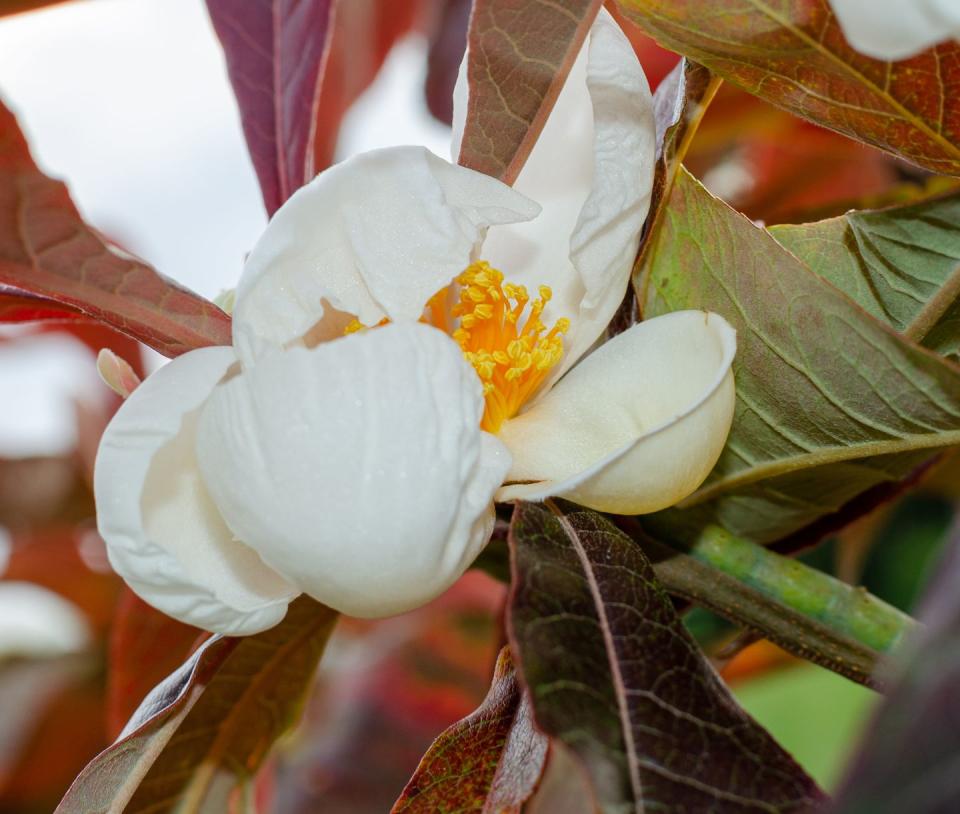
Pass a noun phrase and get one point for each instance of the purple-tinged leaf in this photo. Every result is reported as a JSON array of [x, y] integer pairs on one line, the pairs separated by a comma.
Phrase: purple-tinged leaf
[[489, 762], [276, 52], [910, 753], [613, 675], [207, 728]]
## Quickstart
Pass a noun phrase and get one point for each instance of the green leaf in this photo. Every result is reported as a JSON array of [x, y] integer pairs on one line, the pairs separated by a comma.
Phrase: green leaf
[[902, 265], [207, 728], [613, 675], [909, 756], [490, 761], [46, 249], [829, 401], [519, 56], [793, 54]]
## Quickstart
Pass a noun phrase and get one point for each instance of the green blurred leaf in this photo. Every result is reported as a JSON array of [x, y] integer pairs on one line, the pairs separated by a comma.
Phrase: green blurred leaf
[[489, 761], [829, 401], [816, 715], [793, 54], [207, 728], [902, 265], [613, 675]]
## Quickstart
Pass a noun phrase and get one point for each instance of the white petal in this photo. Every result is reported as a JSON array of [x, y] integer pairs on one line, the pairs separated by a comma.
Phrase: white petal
[[592, 171], [897, 30], [637, 425], [366, 479], [375, 236], [164, 535]]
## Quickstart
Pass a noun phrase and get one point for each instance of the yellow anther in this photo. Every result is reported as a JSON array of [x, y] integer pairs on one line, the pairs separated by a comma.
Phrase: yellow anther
[[354, 326], [502, 337]]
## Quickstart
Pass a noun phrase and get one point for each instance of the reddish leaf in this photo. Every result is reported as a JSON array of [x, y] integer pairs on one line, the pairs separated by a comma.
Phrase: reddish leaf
[[793, 54], [364, 31], [71, 562], [207, 728], [490, 761], [43, 492], [519, 56], [145, 647], [46, 249], [276, 53], [22, 306], [52, 724], [613, 674]]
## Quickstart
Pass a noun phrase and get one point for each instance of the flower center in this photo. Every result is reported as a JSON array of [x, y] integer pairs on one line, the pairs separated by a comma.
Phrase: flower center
[[500, 331]]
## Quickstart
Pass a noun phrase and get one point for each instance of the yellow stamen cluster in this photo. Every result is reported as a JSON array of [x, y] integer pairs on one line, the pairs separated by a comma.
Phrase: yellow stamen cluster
[[501, 334], [507, 344]]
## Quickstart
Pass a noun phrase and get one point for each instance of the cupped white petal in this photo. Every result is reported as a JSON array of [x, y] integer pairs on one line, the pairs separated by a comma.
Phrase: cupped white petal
[[592, 172], [636, 426], [357, 468], [375, 236], [164, 534], [897, 30]]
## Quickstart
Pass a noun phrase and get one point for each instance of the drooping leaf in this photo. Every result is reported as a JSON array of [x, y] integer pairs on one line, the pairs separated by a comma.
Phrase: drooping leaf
[[902, 265], [519, 54], [206, 729], [613, 675], [489, 761], [276, 53], [47, 250], [909, 755], [829, 401], [145, 647], [792, 53]]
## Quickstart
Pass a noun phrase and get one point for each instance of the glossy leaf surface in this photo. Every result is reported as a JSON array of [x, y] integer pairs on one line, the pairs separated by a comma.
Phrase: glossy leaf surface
[[613, 674], [792, 53]]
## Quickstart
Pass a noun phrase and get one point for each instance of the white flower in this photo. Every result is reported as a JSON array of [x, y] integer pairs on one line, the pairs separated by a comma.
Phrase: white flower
[[897, 29], [357, 462]]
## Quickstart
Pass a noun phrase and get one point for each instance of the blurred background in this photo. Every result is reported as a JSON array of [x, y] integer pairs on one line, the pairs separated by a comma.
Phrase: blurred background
[[128, 101]]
